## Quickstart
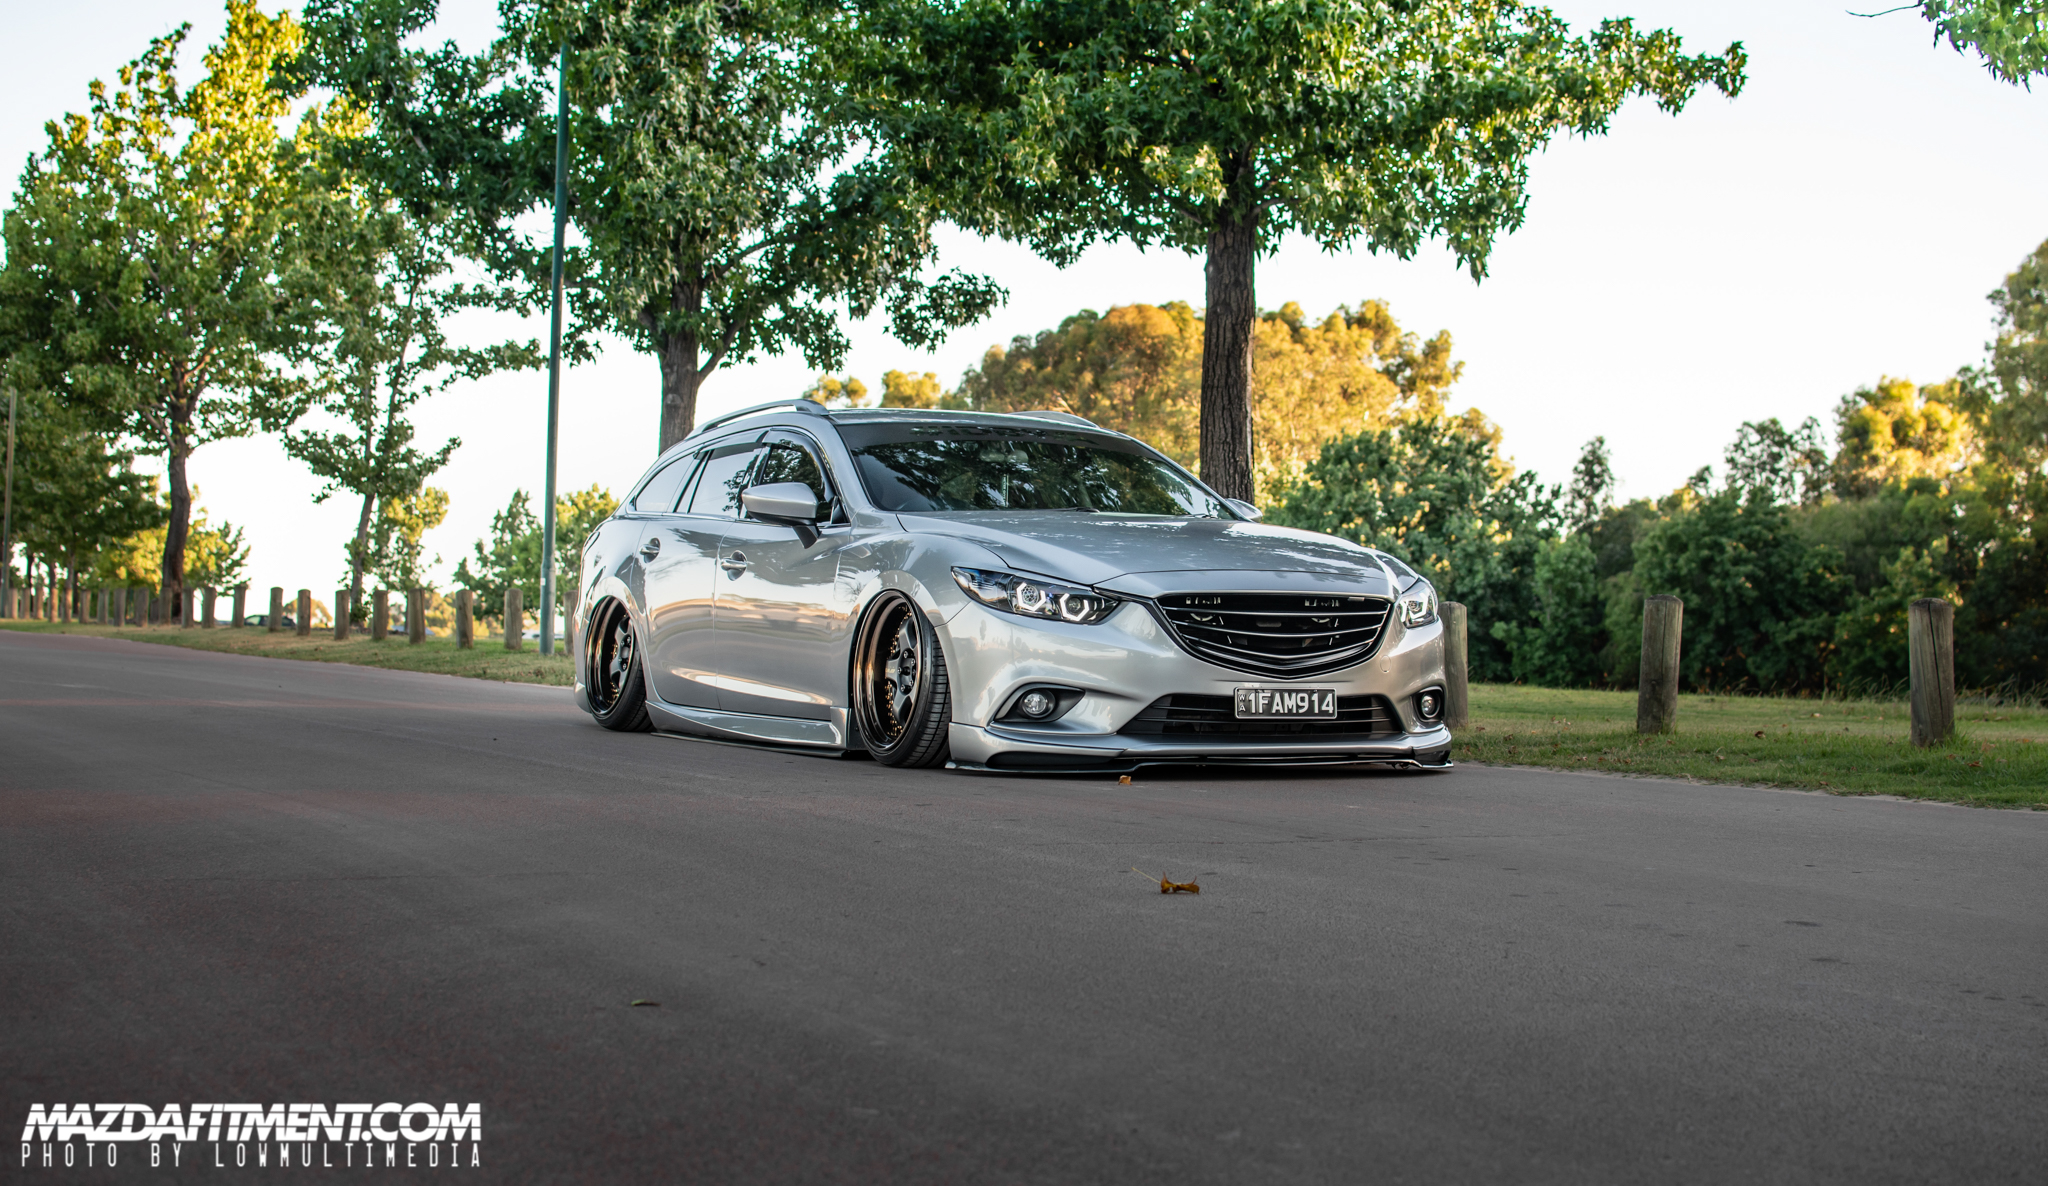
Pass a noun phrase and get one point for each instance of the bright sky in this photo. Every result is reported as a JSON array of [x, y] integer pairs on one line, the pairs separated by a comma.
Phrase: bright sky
[[1841, 221]]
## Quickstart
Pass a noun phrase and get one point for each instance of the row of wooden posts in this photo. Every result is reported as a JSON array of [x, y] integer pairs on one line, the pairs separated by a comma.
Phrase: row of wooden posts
[[116, 607], [1931, 662]]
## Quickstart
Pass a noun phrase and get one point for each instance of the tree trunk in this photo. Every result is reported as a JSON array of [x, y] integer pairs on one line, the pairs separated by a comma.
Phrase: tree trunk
[[1227, 353], [356, 555], [682, 371], [180, 527]]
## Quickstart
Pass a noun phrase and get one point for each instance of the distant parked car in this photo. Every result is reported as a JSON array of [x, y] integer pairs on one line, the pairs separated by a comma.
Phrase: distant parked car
[[284, 621]]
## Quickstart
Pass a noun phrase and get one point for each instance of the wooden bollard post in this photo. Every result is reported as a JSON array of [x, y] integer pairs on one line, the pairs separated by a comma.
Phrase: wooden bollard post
[[415, 616], [465, 619], [1457, 695], [1657, 693], [275, 622], [515, 619], [118, 611], [211, 597], [341, 611], [1931, 661], [304, 620], [380, 615], [241, 604]]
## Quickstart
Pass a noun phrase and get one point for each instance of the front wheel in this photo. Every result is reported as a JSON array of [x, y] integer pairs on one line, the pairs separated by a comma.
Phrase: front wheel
[[900, 696], [612, 676]]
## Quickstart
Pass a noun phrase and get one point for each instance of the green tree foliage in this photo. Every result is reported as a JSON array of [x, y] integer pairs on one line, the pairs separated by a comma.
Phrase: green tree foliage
[[511, 556], [1894, 432], [216, 557], [147, 247], [1217, 128], [75, 493], [1435, 492], [1780, 464], [2010, 35], [724, 213], [1137, 369], [380, 289], [1760, 604]]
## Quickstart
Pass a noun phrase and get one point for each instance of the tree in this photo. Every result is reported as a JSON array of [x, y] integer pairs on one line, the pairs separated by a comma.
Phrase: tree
[[2010, 35], [215, 557], [145, 251], [381, 288], [1778, 463], [1591, 493], [1760, 603], [1894, 431], [511, 557], [725, 214], [1137, 369], [1216, 128]]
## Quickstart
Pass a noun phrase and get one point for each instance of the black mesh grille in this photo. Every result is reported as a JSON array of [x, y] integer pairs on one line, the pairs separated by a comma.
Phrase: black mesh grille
[[1188, 715], [1283, 634]]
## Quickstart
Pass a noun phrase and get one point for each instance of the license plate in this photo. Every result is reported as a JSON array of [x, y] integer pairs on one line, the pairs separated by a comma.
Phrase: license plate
[[1301, 703]]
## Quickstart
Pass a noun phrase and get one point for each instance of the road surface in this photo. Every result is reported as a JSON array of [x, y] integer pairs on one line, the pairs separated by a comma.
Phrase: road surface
[[238, 879]]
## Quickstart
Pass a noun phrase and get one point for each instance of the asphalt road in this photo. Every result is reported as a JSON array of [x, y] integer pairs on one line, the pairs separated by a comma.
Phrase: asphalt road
[[237, 879]]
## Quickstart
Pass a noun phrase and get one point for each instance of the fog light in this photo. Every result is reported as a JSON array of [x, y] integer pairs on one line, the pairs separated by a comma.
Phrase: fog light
[[1037, 705], [1429, 706]]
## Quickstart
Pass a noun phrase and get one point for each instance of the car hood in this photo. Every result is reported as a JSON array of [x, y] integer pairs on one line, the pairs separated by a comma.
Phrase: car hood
[[1148, 557]]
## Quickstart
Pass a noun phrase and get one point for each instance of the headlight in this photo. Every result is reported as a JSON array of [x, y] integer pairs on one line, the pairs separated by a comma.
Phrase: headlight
[[1418, 604], [1034, 598]]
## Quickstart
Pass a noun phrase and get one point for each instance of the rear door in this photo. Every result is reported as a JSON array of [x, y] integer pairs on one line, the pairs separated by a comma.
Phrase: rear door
[[680, 575], [782, 621]]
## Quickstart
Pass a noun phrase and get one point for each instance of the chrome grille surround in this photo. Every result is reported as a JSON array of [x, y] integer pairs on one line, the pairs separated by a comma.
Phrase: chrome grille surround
[[1278, 635]]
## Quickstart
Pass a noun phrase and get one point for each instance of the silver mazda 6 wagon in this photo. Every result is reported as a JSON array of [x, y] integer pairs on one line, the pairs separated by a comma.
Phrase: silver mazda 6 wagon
[[1023, 591]]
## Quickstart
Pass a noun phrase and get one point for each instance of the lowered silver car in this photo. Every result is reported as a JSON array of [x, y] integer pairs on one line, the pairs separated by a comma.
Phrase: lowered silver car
[[1012, 592]]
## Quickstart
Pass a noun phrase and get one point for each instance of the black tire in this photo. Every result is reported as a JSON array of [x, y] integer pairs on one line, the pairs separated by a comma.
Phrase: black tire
[[612, 672], [901, 699]]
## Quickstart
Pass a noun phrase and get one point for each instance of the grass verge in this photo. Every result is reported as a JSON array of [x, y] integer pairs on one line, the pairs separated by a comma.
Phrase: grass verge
[[487, 660], [1856, 747]]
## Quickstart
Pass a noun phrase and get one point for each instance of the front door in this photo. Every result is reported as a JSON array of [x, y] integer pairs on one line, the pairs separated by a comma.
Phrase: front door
[[680, 575], [782, 622]]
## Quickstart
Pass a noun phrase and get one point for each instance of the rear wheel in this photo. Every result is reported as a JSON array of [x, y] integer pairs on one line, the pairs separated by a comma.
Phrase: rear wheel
[[901, 699], [612, 675]]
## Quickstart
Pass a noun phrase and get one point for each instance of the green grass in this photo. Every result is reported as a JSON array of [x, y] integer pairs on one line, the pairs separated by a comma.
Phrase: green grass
[[1856, 747], [487, 660]]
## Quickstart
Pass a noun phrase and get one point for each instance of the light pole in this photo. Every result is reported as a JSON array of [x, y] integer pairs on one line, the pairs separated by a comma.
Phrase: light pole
[[547, 529]]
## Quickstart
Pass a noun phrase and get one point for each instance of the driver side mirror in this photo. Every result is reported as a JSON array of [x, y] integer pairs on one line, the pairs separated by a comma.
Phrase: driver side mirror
[[1244, 508], [791, 504]]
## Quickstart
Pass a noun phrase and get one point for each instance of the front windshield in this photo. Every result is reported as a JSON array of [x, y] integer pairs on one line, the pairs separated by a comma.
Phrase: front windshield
[[969, 467]]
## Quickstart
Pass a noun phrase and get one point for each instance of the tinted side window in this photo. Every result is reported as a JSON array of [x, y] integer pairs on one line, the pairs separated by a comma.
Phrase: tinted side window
[[789, 463], [658, 496], [725, 475]]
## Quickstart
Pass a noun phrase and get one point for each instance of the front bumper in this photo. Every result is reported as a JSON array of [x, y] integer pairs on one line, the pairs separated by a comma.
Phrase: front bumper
[[1123, 665]]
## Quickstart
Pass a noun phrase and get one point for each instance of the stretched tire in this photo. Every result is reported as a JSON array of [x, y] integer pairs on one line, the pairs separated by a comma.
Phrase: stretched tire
[[901, 699], [612, 671]]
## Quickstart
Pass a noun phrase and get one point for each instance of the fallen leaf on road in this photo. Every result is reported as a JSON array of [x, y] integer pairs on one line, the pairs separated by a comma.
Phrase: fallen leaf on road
[[647, 1004], [1123, 780], [1170, 887]]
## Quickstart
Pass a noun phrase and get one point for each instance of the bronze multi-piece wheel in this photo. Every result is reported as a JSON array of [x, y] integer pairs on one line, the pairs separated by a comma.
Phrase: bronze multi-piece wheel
[[900, 697], [616, 685]]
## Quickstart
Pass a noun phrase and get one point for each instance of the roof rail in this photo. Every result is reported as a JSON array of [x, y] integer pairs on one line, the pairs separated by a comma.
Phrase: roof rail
[[796, 405], [1045, 414]]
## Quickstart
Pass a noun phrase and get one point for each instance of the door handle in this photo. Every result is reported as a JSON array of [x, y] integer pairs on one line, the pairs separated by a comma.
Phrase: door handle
[[734, 564], [651, 548]]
